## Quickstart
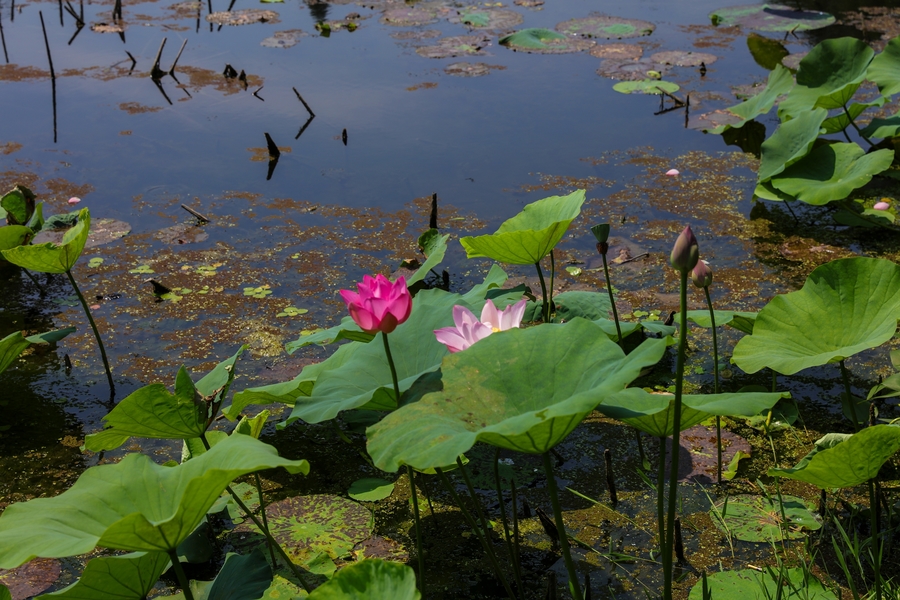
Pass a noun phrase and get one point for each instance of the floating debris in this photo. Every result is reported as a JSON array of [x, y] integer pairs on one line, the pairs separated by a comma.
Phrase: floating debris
[[467, 69], [681, 58], [618, 51], [244, 16], [410, 16], [487, 18], [461, 45], [107, 28], [282, 39], [183, 233], [631, 70], [602, 26]]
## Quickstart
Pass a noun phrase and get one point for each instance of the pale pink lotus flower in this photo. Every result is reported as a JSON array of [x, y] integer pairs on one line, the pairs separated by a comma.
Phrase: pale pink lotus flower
[[469, 329], [74, 200], [673, 173], [881, 206]]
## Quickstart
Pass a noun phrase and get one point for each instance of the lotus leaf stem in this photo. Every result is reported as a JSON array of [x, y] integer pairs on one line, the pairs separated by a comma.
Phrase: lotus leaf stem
[[35, 282], [265, 520], [545, 309], [712, 319], [179, 573], [876, 538], [574, 586], [515, 515], [676, 435], [851, 402], [661, 497], [509, 542], [87, 311], [612, 303], [552, 278], [858, 130]]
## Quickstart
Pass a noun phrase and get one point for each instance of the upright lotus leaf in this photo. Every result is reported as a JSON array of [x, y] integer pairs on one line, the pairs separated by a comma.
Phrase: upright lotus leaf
[[243, 577], [885, 69], [364, 379], [654, 413], [153, 412], [841, 120], [15, 343], [127, 577], [18, 205], [50, 258], [367, 579], [434, 245], [529, 236], [742, 321], [831, 172], [848, 463], [750, 584], [829, 75], [878, 128], [4, 593], [521, 389], [346, 330], [779, 83], [14, 235], [131, 505], [846, 306], [767, 52], [790, 142]]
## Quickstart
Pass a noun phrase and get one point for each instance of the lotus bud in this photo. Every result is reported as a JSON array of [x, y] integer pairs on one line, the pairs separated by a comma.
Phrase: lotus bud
[[685, 252], [702, 274], [601, 232]]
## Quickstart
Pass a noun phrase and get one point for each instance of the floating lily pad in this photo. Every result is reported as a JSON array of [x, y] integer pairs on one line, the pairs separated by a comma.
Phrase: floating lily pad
[[244, 16], [631, 70], [684, 58], [771, 17], [698, 463], [283, 39], [759, 519], [646, 86], [618, 51], [183, 233], [466, 69], [602, 26], [31, 579], [544, 41], [750, 584], [460, 45], [409, 16], [487, 18]]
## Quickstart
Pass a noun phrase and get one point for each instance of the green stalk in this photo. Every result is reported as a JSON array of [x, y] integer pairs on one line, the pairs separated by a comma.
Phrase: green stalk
[[509, 543], [478, 532], [182, 578], [545, 309], [712, 318], [876, 538], [574, 586], [87, 311], [262, 512], [552, 277], [660, 499], [612, 302], [845, 375], [420, 580], [676, 436], [515, 512], [855, 126]]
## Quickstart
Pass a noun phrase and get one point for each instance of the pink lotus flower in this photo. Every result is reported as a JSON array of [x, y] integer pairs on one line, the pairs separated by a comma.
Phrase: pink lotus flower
[[469, 330], [685, 252], [74, 200], [673, 173], [702, 274], [380, 305], [881, 206]]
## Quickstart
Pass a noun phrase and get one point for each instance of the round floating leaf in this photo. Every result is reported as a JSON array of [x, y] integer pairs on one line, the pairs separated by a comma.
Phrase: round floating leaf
[[129, 577], [829, 75], [132, 505], [831, 172], [544, 41], [845, 307], [742, 321], [646, 86], [885, 69], [618, 51], [631, 70], [684, 58], [790, 142], [606, 27], [52, 258], [771, 17], [654, 413], [842, 464], [244, 16], [461, 45], [522, 389], [487, 18], [409, 16], [465, 69], [370, 489], [370, 578], [529, 236], [759, 519], [750, 584]]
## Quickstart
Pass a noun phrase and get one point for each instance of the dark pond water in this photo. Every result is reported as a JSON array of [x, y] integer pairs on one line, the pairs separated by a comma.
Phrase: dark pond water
[[134, 149]]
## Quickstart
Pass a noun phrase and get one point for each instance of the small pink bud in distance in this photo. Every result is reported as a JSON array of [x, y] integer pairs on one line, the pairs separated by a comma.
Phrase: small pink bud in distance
[[74, 200], [673, 173], [881, 206], [685, 252], [702, 274]]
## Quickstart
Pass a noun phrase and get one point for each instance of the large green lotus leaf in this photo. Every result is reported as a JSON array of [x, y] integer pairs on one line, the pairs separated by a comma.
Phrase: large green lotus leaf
[[127, 577], [646, 86], [878, 128], [153, 412], [654, 413], [522, 389], [752, 518], [771, 17], [15, 343], [766, 52], [131, 505], [831, 172], [4, 593], [790, 142], [14, 235], [848, 463], [364, 379], [529, 236], [885, 69], [346, 330], [243, 577], [841, 121], [367, 579], [846, 306], [18, 205], [742, 321], [434, 245], [50, 258], [779, 83], [749, 584], [829, 75], [544, 41]]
